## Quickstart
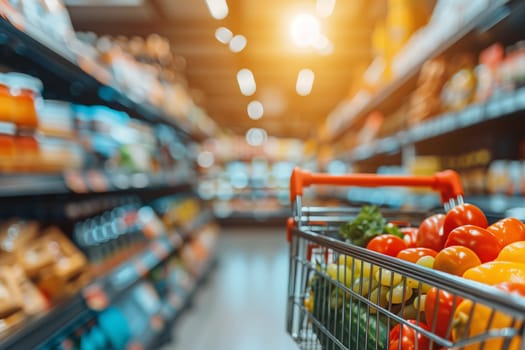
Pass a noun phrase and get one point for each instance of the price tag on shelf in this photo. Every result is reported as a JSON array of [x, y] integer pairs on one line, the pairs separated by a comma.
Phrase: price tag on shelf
[[416, 133], [447, 123], [519, 99], [97, 181], [494, 108], [470, 116], [508, 104], [95, 297], [75, 182]]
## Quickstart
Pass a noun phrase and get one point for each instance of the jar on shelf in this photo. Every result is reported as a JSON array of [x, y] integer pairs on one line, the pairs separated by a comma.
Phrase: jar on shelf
[[7, 146], [26, 92]]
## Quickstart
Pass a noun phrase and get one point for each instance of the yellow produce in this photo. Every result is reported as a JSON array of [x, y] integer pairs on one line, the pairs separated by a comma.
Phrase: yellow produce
[[514, 252], [496, 272], [483, 317]]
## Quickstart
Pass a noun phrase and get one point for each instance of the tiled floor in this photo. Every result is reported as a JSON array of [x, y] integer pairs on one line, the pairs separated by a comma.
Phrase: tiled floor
[[242, 307]]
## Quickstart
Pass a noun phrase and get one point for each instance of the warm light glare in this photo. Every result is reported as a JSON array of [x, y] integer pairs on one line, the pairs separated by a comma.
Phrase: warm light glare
[[218, 8], [256, 136], [238, 43], [255, 110], [305, 30], [223, 34], [325, 8], [246, 82], [324, 46], [305, 82]]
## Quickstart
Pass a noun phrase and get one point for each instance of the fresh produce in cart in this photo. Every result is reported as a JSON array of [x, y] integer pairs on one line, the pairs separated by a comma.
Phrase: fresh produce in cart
[[389, 287]]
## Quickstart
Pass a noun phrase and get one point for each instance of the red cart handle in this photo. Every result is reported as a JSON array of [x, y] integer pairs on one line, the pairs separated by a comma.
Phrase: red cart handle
[[446, 182]]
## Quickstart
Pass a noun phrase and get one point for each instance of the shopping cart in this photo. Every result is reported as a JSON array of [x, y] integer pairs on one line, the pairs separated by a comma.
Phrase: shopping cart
[[357, 304]]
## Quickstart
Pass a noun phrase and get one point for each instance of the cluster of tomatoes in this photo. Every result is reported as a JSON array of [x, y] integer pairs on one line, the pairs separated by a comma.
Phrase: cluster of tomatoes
[[461, 243]]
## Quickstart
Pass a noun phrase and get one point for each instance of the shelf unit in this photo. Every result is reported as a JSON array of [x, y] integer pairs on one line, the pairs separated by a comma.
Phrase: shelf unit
[[37, 331], [476, 114], [389, 96], [446, 134], [67, 77], [88, 183], [71, 82]]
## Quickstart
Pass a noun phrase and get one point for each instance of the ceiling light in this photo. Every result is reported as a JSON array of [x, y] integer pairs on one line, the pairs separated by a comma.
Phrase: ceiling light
[[255, 110], [305, 82], [325, 8], [246, 82], [223, 34], [256, 136], [305, 30], [205, 159], [218, 8], [238, 43]]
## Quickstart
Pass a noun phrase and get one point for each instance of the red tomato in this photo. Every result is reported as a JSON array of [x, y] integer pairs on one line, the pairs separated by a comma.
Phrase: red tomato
[[409, 236], [508, 230], [414, 254], [484, 243], [465, 214], [408, 337], [439, 306], [430, 233], [387, 244]]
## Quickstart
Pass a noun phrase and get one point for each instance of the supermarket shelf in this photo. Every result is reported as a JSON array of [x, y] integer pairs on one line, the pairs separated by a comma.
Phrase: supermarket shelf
[[204, 218], [90, 182], [496, 12], [496, 108], [125, 276], [82, 87], [97, 295], [38, 330]]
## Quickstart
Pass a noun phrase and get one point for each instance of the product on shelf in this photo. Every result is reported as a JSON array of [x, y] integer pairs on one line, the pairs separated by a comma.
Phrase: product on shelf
[[55, 264], [487, 72], [425, 101], [458, 92]]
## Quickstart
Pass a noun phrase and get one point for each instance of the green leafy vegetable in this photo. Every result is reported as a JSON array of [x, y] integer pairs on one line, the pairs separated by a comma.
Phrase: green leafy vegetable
[[367, 225]]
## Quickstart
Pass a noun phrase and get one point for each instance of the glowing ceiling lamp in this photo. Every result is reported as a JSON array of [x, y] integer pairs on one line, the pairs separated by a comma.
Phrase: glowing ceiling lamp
[[246, 82], [224, 35], [238, 43], [255, 110], [256, 136], [305, 30], [305, 82], [218, 8]]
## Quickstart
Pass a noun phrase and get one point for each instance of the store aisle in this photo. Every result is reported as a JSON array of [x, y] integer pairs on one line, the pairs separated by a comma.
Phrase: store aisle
[[243, 304]]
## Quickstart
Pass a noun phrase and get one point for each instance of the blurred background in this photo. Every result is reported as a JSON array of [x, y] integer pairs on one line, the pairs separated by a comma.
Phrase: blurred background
[[143, 141]]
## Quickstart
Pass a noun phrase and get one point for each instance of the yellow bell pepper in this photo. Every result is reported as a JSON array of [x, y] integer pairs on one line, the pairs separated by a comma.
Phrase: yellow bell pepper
[[481, 320], [514, 252], [496, 272], [484, 318]]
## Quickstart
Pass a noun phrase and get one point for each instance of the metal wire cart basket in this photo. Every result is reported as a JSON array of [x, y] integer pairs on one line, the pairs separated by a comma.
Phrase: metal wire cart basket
[[342, 296]]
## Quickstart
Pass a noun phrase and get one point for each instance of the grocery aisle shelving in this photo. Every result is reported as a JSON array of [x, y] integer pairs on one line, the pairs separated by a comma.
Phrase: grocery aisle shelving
[[241, 306]]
